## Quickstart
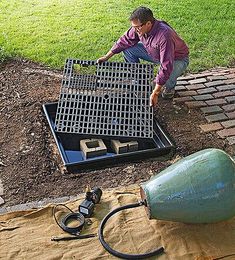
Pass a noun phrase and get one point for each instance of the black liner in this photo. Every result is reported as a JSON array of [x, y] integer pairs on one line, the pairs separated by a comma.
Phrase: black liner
[[68, 146]]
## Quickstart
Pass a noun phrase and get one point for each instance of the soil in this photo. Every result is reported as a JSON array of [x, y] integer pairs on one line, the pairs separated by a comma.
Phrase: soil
[[30, 166]]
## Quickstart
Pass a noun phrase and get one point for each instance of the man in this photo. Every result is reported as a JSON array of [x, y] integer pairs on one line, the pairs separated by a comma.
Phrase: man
[[154, 41]]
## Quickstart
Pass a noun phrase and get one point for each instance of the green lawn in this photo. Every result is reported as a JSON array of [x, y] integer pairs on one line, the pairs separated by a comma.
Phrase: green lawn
[[49, 31]]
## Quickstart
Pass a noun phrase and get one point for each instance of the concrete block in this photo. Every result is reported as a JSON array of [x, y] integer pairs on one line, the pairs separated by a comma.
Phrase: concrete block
[[179, 87], [223, 94], [124, 147], [231, 140], [231, 115], [182, 99], [216, 102], [182, 82], [219, 77], [92, 147], [229, 81], [228, 124], [195, 87], [203, 97], [226, 87], [211, 110], [187, 93], [216, 117], [211, 127], [229, 108], [202, 74], [206, 90], [230, 99], [1, 201], [197, 81], [214, 83], [226, 132], [195, 104], [1, 188], [230, 76]]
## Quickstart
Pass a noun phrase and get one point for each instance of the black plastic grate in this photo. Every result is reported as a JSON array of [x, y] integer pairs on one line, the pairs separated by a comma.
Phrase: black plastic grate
[[108, 99]]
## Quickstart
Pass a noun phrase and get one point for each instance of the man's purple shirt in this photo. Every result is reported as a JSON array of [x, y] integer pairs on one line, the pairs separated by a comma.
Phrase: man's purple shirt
[[162, 43]]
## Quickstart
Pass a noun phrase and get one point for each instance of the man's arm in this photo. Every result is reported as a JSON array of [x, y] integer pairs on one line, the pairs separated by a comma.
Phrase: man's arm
[[105, 57], [166, 60]]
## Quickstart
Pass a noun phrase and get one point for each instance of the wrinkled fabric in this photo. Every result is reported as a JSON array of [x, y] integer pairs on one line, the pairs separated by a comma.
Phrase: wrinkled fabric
[[27, 234]]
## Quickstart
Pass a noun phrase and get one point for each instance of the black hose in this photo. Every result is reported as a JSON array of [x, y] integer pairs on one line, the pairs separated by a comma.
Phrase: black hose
[[116, 253]]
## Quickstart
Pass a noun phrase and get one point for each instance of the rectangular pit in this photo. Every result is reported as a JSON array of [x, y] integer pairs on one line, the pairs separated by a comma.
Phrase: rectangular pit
[[69, 146]]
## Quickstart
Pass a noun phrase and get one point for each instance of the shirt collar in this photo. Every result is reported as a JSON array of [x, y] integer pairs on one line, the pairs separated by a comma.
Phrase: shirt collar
[[153, 30]]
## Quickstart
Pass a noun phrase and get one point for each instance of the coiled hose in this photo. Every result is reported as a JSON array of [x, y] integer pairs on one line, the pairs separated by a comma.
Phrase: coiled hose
[[119, 254]]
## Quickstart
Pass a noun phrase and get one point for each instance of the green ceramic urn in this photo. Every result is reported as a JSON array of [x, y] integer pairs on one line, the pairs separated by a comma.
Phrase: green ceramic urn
[[197, 189]]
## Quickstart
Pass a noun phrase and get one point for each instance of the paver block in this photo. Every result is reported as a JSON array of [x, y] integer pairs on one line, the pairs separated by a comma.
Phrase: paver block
[[231, 115], [211, 110], [226, 132], [1, 201], [229, 107], [223, 94], [206, 90], [187, 93], [230, 99], [195, 104], [228, 124], [203, 97], [215, 102], [180, 87], [183, 99], [229, 81], [182, 82], [217, 77], [188, 77], [202, 75], [1, 188], [92, 147], [220, 73], [124, 147], [216, 117], [231, 140], [226, 87], [230, 76], [214, 83], [195, 86], [197, 81], [211, 127]]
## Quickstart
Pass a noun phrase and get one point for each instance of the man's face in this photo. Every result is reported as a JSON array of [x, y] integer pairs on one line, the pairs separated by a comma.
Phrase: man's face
[[141, 28]]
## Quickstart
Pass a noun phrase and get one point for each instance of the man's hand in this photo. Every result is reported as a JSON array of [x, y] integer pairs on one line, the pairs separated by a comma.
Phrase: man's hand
[[102, 59], [105, 57], [154, 95]]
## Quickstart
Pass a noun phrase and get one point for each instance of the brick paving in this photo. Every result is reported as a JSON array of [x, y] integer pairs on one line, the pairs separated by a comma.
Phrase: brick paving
[[213, 92], [1, 193]]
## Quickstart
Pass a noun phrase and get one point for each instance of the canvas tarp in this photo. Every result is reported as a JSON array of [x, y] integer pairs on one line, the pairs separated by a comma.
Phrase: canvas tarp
[[27, 234]]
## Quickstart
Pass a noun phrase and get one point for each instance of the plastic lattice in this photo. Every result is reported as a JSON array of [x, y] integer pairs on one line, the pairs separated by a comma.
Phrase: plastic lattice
[[107, 99]]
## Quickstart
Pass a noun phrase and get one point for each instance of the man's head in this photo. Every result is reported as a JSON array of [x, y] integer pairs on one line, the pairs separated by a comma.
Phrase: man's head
[[142, 20]]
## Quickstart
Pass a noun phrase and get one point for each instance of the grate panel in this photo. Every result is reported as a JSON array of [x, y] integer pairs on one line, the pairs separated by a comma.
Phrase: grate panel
[[108, 99]]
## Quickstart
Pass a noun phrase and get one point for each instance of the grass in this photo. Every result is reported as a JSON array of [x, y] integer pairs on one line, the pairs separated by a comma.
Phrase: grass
[[49, 31]]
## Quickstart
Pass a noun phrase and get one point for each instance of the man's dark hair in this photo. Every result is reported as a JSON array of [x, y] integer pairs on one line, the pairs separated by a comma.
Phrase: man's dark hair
[[143, 14]]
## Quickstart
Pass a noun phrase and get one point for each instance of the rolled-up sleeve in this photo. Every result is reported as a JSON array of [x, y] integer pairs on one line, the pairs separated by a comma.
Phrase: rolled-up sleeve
[[130, 38], [166, 59]]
